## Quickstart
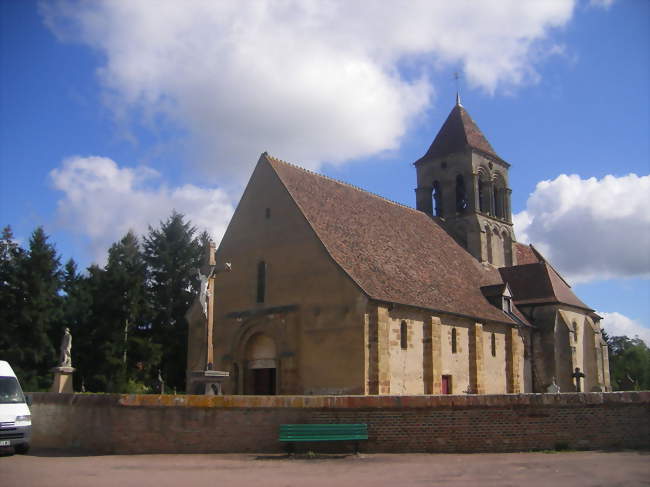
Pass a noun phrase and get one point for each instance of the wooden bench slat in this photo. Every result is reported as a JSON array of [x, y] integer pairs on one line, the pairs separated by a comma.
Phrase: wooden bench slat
[[323, 432]]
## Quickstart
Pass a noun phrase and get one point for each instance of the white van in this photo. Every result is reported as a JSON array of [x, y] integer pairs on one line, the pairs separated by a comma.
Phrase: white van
[[15, 417]]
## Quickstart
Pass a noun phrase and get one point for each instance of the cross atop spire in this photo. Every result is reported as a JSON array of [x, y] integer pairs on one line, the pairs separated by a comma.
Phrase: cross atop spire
[[457, 77]]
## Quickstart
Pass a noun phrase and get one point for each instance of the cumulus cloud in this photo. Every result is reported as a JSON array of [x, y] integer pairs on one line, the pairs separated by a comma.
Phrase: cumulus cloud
[[102, 201], [616, 324], [590, 228], [310, 81]]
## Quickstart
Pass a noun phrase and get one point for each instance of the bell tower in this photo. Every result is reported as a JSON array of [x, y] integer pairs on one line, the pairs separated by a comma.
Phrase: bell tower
[[463, 183]]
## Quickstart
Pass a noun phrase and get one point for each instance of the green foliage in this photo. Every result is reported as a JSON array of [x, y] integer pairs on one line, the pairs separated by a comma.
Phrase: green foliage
[[629, 363], [31, 304], [173, 255], [127, 319]]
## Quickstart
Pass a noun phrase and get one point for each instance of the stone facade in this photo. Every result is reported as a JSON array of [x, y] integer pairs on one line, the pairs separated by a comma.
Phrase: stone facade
[[337, 291]]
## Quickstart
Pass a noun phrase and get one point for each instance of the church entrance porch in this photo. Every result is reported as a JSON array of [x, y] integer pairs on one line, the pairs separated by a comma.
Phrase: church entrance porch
[[263, 382], [261, 366]]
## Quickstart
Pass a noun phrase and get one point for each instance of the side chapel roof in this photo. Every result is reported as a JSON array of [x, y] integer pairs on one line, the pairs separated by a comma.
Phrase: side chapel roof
[[458, 132], [392, 252], [539, 283]]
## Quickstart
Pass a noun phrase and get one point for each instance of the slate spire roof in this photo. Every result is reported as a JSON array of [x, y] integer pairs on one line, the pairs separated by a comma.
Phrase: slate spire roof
[[457, 133], [394, 253]]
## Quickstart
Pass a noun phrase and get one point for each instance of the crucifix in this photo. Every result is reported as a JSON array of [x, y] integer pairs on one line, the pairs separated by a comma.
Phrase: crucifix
[[577, 375]]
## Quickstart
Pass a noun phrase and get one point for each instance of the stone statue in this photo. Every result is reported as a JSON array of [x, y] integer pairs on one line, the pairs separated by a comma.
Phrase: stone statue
[[65, 359], [553, 388], [204, 293]]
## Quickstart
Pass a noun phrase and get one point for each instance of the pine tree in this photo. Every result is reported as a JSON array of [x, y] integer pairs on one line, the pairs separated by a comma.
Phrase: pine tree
[[173, 255], [31, 307], [126, 274], [13, 298]]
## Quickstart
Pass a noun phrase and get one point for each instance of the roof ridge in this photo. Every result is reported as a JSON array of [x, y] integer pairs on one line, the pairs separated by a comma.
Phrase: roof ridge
[[344, 183]]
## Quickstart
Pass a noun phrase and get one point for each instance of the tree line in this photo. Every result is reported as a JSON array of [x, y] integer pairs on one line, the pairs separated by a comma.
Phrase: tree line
[[629, 363], [127, 318]]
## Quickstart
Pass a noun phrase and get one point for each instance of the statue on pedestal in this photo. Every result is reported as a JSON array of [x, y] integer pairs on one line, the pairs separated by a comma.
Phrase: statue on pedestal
[[64, 370], [65, 358]]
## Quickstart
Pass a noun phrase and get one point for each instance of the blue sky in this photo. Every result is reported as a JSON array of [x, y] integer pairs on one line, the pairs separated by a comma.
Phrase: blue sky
[[114, 113]]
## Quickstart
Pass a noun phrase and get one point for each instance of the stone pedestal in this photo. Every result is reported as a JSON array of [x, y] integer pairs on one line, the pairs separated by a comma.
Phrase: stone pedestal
[[62, 379], [208, 382]]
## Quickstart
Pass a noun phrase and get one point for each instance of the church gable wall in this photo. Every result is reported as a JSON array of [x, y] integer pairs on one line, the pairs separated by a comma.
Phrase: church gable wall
[[317, 324]]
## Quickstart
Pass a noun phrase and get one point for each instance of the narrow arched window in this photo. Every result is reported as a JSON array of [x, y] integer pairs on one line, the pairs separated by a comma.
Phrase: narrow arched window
[[507, 249], [493, 344], [437, 198], [574, 331], [481, 195], [499, 193], [488, 235], [403, 335], [454, 339], [261, 281], [461, 194]]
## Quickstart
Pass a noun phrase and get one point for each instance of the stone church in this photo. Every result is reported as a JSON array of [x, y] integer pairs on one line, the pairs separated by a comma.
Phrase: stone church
[[335, 290]]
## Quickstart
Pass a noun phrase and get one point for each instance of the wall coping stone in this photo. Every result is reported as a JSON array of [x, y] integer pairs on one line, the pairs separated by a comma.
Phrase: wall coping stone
[[348, 402]]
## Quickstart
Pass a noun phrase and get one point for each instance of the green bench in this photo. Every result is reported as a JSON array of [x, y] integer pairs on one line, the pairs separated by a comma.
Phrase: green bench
[[291, 433]]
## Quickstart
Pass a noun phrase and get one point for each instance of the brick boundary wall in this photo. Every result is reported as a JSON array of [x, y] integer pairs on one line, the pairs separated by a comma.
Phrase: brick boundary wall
[[113, 423]]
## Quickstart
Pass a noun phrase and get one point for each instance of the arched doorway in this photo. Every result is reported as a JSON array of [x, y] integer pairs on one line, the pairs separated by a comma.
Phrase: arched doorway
[[261, 366]]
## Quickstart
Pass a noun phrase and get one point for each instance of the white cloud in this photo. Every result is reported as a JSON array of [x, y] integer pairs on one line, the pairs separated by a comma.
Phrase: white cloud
[[616, 324], [601, 3], [592, 228], [309, 81], [103, 201]]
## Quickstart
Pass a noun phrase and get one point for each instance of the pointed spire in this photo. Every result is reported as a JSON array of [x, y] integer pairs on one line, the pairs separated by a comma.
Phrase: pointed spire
[[458, 132]]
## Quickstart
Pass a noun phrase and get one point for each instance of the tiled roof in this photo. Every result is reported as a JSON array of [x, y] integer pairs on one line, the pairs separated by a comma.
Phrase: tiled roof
[[539, 283], [458, 132], [526, 254], [392, 252]]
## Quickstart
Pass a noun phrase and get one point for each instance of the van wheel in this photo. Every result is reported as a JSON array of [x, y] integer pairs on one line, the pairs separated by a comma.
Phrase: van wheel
[[22, 449]]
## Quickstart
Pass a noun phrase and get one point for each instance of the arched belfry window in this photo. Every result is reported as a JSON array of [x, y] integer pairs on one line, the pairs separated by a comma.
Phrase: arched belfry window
[[484, 187], [499, 198], [454, 340], [461, 194], [403, 335], [437, 198], [261, 281]]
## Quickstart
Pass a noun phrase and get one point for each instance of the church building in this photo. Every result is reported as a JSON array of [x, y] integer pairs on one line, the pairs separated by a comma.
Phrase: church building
[[335, 290]]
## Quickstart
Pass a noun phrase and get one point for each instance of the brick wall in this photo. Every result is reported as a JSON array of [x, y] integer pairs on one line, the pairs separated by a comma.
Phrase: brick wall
[[111, 423]]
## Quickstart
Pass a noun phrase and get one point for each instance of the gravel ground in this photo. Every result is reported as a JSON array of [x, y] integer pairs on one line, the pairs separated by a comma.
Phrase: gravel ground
[[52, 469]]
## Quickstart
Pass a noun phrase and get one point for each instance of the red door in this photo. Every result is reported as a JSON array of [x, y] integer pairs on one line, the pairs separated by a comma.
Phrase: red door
[[445, 385]]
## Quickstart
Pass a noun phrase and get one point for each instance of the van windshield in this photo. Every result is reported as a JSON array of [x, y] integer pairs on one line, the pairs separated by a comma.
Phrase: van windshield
[[10, 391]]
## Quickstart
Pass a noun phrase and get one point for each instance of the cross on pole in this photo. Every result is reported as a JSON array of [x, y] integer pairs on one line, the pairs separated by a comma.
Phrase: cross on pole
[[577, 375], [456, 78]]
